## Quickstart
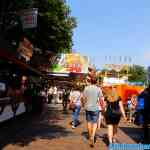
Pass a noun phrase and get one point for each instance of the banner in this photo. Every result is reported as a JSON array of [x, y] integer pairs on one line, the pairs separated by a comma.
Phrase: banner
[[69, 63], [29, 18]]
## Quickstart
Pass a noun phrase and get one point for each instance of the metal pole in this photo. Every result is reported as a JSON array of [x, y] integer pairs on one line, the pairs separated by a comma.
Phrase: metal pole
[[127, 73]]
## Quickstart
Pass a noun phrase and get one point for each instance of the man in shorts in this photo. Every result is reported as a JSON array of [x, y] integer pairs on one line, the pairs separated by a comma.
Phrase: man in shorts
[[91, 96]]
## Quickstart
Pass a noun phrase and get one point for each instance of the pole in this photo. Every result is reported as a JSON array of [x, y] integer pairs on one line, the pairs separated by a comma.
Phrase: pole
[[118, 74], [127, 73]]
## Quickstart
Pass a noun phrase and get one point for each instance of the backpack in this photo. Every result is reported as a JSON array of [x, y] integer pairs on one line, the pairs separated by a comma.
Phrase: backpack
[[113, 111], [101, 104]]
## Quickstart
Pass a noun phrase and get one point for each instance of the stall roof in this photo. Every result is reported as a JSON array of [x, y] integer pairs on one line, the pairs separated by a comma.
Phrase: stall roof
[[8, 56]]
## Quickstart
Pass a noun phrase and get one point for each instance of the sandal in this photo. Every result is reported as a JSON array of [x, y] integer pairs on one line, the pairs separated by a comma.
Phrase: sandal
[[91, 142]]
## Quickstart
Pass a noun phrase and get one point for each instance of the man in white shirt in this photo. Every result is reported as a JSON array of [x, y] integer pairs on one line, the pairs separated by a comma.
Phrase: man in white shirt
[[75, 97]]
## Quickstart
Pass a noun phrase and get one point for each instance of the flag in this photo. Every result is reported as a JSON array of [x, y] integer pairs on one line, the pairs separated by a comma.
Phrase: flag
[[120, 59], [105, 58], [125, 59], [109, 58]]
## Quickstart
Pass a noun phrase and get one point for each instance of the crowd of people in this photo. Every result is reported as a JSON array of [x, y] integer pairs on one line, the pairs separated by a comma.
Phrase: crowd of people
[[99, 104], [96, 105], [102, 105]]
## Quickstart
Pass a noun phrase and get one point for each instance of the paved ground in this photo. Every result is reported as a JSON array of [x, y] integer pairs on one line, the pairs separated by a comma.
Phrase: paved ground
[[52, 131]]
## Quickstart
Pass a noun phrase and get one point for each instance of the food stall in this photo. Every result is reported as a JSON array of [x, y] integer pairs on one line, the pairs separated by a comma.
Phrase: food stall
[[14, 81]]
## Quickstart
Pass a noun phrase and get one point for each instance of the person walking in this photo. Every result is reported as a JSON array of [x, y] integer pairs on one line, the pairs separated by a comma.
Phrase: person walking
[[65, 99], [131, 106], [55, 95], [75, 100], [50, 95], [145, 112], [90, 101], [114, 110]]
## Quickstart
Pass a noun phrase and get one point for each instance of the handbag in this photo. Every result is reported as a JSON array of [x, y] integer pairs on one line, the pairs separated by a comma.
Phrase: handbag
[[110, 112], [101, 104], [72, 106]]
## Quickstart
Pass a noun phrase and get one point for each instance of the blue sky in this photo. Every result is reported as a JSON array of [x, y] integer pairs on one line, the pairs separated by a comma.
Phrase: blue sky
[[112, 28]]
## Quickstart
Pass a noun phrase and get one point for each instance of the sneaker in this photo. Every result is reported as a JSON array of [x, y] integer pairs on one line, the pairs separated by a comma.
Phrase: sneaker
[[73, 127]]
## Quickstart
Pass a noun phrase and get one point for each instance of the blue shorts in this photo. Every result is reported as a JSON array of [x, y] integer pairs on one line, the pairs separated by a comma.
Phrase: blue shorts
[[92, 116]]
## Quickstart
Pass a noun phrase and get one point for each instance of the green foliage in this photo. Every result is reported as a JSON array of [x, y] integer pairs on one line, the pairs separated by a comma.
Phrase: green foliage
[[54, 30], [137, 73], [55, 25], [124, 71]]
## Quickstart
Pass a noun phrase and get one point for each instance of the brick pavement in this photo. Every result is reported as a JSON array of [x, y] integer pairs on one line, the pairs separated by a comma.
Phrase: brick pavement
[[52, 131]]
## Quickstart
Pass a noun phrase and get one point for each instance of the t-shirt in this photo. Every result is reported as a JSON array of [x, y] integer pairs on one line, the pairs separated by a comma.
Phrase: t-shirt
[[75, 97], [129, 104], [92, 94], [50, 91], [114, 105], [55, 91]]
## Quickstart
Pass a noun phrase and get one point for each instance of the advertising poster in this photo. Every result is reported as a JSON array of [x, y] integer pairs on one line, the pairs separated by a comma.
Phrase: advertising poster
[[69, 63]]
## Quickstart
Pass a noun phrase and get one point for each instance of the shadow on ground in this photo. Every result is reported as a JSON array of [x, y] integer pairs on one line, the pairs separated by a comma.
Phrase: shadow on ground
[[135, 133], [101, 136], [28, 128]]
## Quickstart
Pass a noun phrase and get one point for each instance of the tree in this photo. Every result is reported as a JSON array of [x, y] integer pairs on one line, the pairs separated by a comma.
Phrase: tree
[[55, 25], [10, 25], [137, 73], [124, 71]]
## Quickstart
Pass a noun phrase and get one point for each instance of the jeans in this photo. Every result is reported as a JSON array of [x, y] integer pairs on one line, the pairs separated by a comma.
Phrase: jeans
[[92, 116], [75, 115]]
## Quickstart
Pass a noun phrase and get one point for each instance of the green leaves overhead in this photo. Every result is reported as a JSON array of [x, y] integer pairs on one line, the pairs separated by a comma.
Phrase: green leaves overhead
[[55, 24]]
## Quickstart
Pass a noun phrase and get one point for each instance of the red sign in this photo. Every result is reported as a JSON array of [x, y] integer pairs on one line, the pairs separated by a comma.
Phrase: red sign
[[76, 68], [29, 18]]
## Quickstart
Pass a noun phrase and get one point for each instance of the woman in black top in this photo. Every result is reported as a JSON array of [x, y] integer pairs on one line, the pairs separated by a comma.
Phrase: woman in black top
[[114, 110]]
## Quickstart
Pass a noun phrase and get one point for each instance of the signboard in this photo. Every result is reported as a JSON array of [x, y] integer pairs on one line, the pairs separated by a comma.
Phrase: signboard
[[111, 81], [69, 63], [25, 49], [29, 18]]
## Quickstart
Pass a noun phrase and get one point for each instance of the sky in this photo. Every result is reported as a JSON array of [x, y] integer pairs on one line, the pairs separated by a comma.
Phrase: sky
[[112, 31]]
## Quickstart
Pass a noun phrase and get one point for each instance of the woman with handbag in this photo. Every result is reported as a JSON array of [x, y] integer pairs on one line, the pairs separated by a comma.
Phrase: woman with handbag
[[75, 106], [114, 110]]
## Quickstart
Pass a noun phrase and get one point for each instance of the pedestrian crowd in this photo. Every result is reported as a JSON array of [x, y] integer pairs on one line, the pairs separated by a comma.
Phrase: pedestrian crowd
[[97, 106], [103, 107]]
